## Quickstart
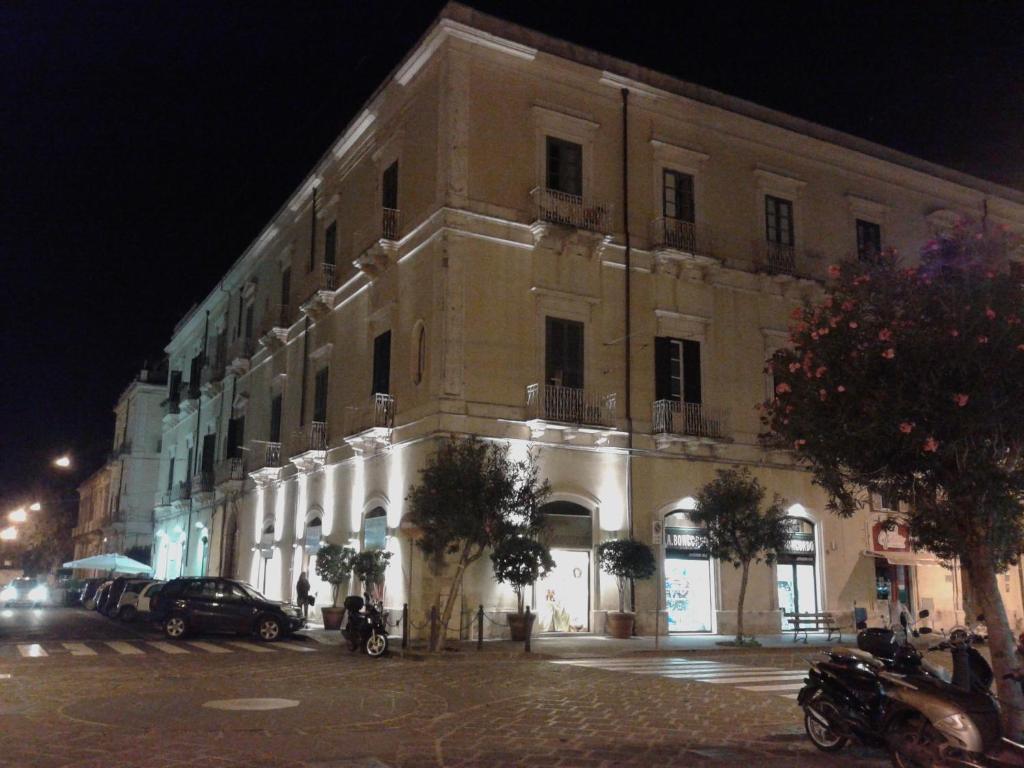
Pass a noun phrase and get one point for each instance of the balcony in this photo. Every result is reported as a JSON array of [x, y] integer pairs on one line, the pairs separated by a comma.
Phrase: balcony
[[321, 300], [370, 427], [239, 356], [310, 446], [203, 487], [263, 461], [275, 325], [212, 375], [229, 474], [778, 259], [570, 210], [375, 258], [179, 492], [550, 406], [673, 421]]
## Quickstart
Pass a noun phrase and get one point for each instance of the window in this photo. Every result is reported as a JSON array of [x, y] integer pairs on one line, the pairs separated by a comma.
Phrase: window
[[170, 473], [275, 419], [869, 240], [209, 451], [174, 387], [188, 467], [677, 196], [248, 321], [330, 244], [389, 187], [563, 353], [564, 166], [889, 500], [320, 395], [194, 373], [778, 219], [238, 320], [420, 363], [375, 529], [382, 364], [236, 437], [286, 287], [677, 375]]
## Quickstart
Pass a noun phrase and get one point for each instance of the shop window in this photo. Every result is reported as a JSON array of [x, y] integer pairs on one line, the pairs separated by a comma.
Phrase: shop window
[[375, 529], [796, 577]]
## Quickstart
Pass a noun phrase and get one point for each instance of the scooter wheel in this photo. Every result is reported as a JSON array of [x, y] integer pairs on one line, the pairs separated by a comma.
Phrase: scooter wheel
[[376, 645], [820, 734]]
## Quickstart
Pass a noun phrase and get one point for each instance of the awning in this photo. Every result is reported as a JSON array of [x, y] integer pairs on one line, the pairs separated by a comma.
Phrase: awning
[[906, 558], [113, 562]]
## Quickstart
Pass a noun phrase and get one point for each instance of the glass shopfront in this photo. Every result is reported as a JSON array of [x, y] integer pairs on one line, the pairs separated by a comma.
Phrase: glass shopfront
[[561, 600], [689, 585], [796, 577]]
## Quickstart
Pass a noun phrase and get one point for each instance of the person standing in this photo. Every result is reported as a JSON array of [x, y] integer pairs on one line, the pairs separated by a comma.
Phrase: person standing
[[302, 590]]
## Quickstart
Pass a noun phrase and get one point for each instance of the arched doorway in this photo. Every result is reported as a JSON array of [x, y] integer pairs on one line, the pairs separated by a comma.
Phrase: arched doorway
[[312, 541], [796, 570], [689, 576], [562, 599]]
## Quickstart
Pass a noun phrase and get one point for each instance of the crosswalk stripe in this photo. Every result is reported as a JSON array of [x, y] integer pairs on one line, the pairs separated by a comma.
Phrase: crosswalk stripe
[[32, 651], [79, 649], [208, 647], [624, 663], [791, 696], [713, 672], [752, 679], [295, 647], [124, 648], [170, 648], [250, 647], [786, 687]]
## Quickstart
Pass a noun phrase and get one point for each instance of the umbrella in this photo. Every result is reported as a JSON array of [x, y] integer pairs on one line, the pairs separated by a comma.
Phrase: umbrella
[[113, 562]]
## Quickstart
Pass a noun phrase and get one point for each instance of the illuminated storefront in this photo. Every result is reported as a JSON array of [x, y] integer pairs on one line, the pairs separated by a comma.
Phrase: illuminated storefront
[[562, 599], [689, 577], [796, 570]]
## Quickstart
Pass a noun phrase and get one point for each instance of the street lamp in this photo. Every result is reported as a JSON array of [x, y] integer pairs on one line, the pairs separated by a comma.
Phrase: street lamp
[[35, 507], [62, 461], [10, 533], [18, 516]]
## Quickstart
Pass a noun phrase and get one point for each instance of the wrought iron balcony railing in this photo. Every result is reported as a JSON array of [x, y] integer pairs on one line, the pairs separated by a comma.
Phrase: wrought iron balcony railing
[[672, 417], [679, 235], [202, 482], [240, 349], [328, 281], [569, 405], [571, 210], [228, 470], [778, 259], [180, 491], [312, 437], [277, 316], [263, 454], [378, 414], [390, 221]]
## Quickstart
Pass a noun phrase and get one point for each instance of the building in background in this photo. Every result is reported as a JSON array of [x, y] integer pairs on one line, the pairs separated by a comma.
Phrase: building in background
[[528, 241], [115, 512]]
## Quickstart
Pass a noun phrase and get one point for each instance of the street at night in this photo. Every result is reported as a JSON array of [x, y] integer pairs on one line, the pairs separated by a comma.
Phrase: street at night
[[105, 694]]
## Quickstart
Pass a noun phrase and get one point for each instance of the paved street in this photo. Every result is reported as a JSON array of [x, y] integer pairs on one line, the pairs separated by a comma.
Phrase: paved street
[[97, 693]]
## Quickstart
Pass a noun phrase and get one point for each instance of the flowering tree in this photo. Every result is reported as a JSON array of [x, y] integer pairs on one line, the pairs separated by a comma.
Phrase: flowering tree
[[909, 380]]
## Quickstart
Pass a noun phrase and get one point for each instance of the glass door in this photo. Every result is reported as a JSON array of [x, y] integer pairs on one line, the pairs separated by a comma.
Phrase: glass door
[[562, 598], [688, 594]]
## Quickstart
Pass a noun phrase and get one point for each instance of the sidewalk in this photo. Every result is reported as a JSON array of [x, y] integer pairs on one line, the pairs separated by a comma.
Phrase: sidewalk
[[591, 646]]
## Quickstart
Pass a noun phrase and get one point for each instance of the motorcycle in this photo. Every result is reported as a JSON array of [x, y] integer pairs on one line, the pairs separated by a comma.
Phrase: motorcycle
[[365, 625]]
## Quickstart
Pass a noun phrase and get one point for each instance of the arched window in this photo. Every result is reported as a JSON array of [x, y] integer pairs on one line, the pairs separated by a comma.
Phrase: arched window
[[314, 532], [419, 352], [375, 529], [796, 574]]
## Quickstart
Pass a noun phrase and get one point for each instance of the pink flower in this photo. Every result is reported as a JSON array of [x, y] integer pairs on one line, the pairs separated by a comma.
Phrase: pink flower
[[954, 333], [794, 367], [783, 388], [1020, 347], [834, 272], [799, 443], [931, 445], [853, 324], [823, 331], [983, 339], [797, 313], [990, 313], [889, 354], [884, 335], [960, 399], [820, 372], [848, 305], [822, 395], [906, 427], [840, 388]]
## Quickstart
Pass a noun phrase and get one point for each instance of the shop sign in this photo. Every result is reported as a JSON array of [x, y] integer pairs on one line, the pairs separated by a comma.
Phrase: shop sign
[[800, 546], [686, 539], [890, 540]]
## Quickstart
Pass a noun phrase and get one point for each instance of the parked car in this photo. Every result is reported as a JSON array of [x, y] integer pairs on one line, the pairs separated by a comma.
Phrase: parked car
[[131, 603], [100, 599], [117, 590], [222, 605], [25, 591], [88, 595]]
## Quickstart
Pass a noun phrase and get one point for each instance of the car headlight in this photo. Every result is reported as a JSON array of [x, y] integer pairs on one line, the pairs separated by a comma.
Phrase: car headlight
[[38, 594], [9, 593]]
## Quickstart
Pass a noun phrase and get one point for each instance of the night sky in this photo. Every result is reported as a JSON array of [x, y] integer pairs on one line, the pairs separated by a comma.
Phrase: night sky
[[143, 145]]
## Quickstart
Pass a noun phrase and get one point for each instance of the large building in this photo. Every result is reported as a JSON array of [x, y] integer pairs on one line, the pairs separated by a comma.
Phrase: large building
[[116, 502], [524, 240]]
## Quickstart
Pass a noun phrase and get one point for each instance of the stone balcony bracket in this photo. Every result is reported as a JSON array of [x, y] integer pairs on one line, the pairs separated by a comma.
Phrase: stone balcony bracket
[[377, 258], [370, 441], [274, 338], [309, 461], [319, 304], [265, 476]]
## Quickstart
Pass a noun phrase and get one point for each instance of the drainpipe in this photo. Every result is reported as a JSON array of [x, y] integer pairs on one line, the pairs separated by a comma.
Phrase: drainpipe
[[195, 442], [627, 399], [305, 335]]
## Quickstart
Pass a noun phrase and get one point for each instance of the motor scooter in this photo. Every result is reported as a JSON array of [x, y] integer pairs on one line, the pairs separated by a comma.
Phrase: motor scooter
[[365, 625]]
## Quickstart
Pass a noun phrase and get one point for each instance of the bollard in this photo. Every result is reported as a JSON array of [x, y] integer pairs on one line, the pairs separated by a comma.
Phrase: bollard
[[480, 628], [405, 625], [529, 628], [433, 627]]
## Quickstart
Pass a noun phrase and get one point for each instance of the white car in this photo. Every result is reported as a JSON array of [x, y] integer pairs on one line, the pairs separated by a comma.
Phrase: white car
[[25, 591], [135, 600]]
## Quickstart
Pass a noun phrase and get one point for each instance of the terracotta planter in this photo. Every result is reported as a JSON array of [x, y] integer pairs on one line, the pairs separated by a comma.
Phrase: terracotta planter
[[520, 625], [332, 617], [620, 624]]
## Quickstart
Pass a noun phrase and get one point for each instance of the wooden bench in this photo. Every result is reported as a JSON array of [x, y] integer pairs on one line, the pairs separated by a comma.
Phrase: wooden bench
[[817, 622]]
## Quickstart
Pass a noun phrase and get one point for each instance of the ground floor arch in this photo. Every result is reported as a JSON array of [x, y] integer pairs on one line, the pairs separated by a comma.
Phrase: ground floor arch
[[562, 599]]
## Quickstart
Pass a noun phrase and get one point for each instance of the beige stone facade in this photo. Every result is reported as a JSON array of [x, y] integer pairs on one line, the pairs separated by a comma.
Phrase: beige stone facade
[[457, 263]]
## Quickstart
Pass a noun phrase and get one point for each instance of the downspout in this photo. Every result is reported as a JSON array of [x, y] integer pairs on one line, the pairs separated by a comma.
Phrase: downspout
[[120, 479], [220, 424], [224, 513], [195, 442], [627, 399], [305, 335]]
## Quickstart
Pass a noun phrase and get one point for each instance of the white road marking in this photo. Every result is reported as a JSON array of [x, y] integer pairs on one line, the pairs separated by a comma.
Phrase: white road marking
[[786, 687], [79, 649], [754, 679], [793, 696], [170, 648], [208, 647], [250, 647], [295, 647], [124, 648], [32, 651], [5, 676]]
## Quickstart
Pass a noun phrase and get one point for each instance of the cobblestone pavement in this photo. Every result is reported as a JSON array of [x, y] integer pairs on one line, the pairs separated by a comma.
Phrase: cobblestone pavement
[[344, 710]]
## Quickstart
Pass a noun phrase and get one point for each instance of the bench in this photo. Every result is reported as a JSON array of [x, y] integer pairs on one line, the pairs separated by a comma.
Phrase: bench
[[817, 622]]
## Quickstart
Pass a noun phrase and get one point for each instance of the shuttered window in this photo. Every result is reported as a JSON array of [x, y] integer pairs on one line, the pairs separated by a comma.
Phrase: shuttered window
[[677, 196], [563, 353], [564, 166], [677, 374], [275, 419], [320, 395], [330, 244], [778, 219], [382, 364]]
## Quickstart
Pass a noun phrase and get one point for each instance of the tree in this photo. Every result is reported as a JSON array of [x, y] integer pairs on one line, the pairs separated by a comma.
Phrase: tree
[[627, 560], [370, 566], [334, 565], [520, 562], [472, 496], [908, 380], [736, 530]]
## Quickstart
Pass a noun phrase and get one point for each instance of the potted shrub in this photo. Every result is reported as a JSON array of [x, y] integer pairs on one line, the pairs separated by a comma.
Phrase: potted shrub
[[627, 560], [334, 565], [369, 567], [520, 562]]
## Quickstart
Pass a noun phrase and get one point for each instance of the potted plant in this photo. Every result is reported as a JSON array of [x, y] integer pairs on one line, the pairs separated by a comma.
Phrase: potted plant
[[334, 565], [369, 567], [520, 562], [627, 560]]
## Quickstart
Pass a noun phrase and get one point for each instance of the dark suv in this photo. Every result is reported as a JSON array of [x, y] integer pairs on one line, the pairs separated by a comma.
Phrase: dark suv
[[222, 605]]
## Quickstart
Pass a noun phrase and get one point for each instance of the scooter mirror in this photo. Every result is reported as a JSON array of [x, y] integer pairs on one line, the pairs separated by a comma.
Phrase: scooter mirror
[[862, 625], [923, 614]]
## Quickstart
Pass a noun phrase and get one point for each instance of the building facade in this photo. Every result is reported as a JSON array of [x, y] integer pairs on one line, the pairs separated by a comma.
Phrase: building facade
[[527, 241], [116, 502]]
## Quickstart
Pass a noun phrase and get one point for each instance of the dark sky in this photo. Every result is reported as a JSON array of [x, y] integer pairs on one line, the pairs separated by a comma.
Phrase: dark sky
[[144, 144]]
